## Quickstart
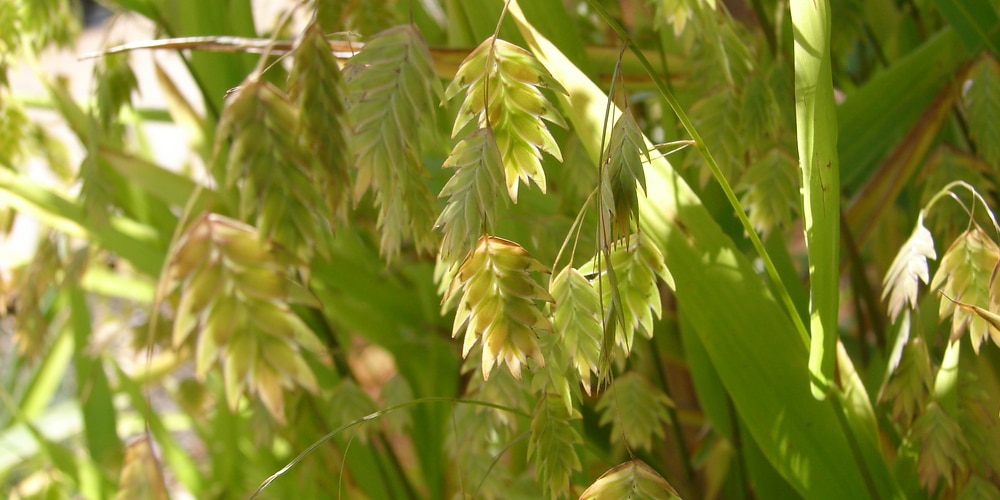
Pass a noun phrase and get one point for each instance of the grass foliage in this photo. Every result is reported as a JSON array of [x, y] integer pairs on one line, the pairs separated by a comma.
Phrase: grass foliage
[[279, 316]]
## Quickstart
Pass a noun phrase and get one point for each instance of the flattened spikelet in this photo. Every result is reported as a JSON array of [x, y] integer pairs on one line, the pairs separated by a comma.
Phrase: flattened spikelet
[[908, 269], [632, 479], [471, 191], [636, 262], [498, 304], [770, 191], [552, 445], [317, 88], [237, 302], [577, 321], [637, 410], [274, 173], [965, 274], [392, 86], [622, 171], [501, 83]]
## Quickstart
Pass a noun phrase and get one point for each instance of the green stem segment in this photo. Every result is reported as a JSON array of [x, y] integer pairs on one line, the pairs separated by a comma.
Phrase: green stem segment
[[816, 124]]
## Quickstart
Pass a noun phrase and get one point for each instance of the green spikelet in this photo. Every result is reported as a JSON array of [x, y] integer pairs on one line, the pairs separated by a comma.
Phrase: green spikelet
[[392, 86], [622, 171], [317, 88], [501, 83], [472, 193], [498, 304]]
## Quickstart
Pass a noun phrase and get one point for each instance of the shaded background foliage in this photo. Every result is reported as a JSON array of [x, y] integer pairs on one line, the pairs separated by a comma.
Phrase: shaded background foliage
[[295, 286]]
